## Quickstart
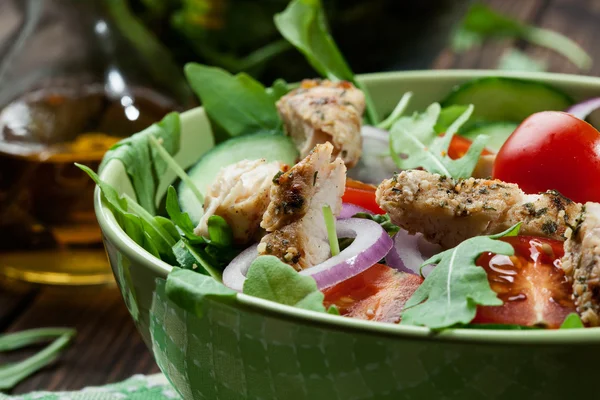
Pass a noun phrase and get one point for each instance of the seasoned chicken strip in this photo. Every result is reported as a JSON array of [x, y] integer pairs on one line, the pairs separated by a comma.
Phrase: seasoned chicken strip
[[448, 211], [581, 264], [294, 218], [324, 111], [240, 194]]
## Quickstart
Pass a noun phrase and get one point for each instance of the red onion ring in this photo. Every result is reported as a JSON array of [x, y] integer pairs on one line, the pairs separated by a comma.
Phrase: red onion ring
[[234, 274], [370, 245], [585, 108], [349, 210], [409, 253]]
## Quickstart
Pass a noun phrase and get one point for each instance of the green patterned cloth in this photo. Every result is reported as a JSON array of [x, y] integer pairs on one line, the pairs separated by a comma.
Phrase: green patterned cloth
[[138, 387]]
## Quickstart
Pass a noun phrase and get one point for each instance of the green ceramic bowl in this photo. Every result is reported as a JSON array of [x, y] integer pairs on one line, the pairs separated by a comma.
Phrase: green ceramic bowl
[[256, 349]]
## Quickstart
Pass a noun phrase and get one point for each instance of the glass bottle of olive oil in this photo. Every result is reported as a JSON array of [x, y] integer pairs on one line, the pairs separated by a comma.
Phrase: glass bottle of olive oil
[[75, 77]]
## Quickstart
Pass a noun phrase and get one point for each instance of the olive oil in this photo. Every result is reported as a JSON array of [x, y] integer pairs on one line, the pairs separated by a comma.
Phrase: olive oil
[[48, 229]]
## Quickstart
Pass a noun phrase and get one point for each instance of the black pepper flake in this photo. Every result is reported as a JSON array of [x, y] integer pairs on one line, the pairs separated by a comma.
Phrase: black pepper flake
[[443, 178], [396, 190], [315, 178], [344, 153], [549, 227], [483, 190]]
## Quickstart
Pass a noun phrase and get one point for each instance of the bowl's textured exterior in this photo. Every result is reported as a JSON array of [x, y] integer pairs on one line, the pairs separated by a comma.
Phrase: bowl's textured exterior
[[254, 349]]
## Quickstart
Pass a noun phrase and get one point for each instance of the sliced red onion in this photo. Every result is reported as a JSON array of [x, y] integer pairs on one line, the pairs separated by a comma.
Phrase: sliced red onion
[[234, 274], [409, 253], [370, 245], [585, 108], [349, 210]]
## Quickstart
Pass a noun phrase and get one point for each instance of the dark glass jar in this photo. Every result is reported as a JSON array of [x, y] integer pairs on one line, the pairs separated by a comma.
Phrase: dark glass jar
[[75, 77]]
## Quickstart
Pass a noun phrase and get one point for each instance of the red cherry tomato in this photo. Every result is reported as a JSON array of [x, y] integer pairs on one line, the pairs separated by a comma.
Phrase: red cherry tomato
[[552, 150], [361, 194]]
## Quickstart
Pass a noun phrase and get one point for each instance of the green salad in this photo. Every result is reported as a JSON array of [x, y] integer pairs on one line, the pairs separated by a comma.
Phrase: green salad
[[462, 214]]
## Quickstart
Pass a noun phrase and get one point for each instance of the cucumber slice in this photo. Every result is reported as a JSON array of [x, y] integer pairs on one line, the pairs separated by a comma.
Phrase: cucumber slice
[[497, 131], [248, 147], [507, 99]]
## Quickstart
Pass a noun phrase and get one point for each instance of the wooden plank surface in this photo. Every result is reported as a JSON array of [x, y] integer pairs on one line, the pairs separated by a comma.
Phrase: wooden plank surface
[[108, 348]]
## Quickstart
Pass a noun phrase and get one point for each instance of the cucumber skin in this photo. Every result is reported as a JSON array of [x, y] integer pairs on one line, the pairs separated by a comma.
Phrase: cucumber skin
[[498, 131], [204, 174], [461, 93]]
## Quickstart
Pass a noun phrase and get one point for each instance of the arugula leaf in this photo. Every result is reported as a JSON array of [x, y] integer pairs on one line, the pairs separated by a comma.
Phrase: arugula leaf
[[239, 104], [481, 22], [219, 231], [304, 25], [447, 116], [12, 374], [572, 321], [516, 60], [271, 279], [397, 112], [278, 89], [383, 220], [413, 135], [141, 161], [181, 219], [142, 229], [188, 290], [451, 292]]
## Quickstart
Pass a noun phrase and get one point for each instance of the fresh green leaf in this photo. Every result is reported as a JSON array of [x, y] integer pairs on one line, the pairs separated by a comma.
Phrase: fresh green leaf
[[188, 290], [219, 231], [304, 25], [456, 286], [12, 374], [419, 125], [279, 89], [142, 163], [239, 104], [131, 223], [447, 116], [572, 321], [168, 226], [331, 232], [410, 137], [205, 264], [516, 60], [383, 220], [184, 258], [271, 279], [397, 113], [333, 310], [170, 161], [481, 22], [181, 219]]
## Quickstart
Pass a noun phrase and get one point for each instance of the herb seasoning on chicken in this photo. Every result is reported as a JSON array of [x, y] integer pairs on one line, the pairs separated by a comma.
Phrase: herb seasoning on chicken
[[324, 111], [294, 219]]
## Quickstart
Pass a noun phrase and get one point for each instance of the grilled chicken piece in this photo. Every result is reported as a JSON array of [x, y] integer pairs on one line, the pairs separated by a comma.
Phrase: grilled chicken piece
[[447, 211], [324, 111], [240, 194], [294, 219], [581, 264]]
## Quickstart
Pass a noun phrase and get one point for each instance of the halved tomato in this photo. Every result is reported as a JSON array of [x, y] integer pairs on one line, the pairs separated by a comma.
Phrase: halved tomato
[[361, 194], [531, 284], [378, 293]]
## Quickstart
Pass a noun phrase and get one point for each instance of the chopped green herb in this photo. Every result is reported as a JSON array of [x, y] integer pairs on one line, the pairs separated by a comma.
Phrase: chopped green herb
[[572, 321], [331, 233]]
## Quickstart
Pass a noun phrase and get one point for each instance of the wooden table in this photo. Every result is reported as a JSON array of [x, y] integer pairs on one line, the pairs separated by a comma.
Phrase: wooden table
[[108, 348]]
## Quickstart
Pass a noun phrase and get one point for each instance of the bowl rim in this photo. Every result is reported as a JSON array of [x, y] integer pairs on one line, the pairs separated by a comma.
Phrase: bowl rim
[[113, 233]]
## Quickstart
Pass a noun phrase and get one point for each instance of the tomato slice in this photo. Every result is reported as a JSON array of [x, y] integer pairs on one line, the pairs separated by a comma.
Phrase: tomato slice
[[361, 194], [531, 284], [378, 293]]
